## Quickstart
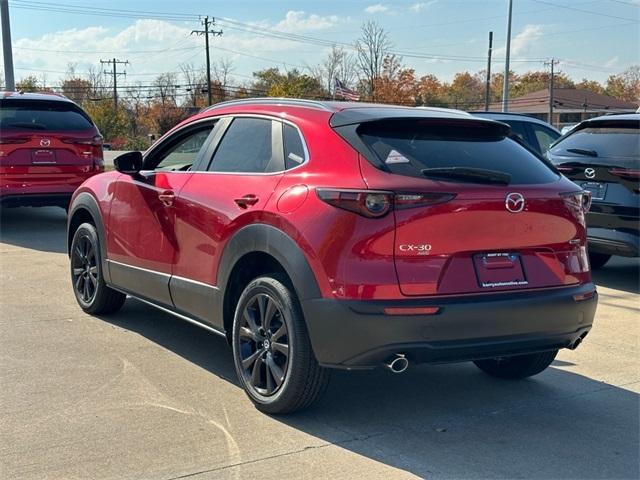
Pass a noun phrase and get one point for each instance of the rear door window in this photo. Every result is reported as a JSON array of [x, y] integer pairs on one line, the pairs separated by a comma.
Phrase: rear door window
[[294, 153], [407, 147], [544, 136], [42, 115], [248, 147]]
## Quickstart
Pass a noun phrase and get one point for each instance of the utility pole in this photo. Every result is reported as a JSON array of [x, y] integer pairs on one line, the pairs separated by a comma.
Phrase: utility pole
[[206, 32], [505, 85], [115, 62], [487, 93], [9, 79], [552, 63]]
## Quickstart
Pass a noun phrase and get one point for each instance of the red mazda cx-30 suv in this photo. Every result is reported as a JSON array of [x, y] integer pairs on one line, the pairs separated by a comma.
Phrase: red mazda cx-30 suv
[[342, 235], [48, 147]]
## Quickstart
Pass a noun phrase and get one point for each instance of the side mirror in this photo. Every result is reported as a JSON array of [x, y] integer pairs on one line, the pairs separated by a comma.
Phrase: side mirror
[[129, 163]]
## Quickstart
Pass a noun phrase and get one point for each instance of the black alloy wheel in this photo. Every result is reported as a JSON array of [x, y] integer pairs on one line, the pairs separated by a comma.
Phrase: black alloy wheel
[[84, 264], [264, 345]]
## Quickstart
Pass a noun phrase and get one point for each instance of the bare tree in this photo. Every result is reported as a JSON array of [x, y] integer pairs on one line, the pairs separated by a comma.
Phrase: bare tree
[[97, 82], [371, 47], [166, 87], [222, 70], [195, 82], [337, 64]]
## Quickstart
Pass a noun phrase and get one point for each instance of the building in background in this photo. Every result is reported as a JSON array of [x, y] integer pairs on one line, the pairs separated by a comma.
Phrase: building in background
[[571, 105]]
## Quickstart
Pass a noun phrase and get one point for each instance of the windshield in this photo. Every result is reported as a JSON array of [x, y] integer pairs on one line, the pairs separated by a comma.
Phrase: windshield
[[414, 147]]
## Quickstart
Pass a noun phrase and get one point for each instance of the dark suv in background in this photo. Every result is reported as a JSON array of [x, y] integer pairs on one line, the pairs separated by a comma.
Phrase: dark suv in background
[[48, 147], [603, 156]]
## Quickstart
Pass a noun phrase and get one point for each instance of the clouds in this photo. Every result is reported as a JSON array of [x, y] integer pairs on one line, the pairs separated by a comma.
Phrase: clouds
[[377, 8], [298, 21], [421, 6], [524, 41]]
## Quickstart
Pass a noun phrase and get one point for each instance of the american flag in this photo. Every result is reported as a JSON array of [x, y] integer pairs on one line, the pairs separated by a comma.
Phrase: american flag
[[343, 91]]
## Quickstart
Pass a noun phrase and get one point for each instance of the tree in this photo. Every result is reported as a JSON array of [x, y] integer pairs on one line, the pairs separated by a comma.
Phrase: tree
[[195, 82], [466, 91], [290, 84], [28, 84], [591, 85], [396, 84], [338, 64], [429, 91], [372, 47], [111, 123], [166, 87], [626, 85]]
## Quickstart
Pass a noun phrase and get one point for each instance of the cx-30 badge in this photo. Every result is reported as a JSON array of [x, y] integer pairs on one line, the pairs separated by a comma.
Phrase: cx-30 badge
[[45, 142], [589, 173], [514, 202]]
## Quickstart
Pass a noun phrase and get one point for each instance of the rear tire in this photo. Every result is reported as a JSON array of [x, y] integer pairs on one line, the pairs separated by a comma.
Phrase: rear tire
[[598, 260], [519, 366], [271, 348], [91, 292]]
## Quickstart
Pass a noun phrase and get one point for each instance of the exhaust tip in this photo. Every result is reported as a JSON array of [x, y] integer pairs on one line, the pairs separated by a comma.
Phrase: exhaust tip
[[398, 363]]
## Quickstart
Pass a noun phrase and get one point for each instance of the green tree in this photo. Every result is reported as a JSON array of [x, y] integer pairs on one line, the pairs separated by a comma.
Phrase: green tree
[[289, 84], [111, 123], [626, 85], [28, 84]]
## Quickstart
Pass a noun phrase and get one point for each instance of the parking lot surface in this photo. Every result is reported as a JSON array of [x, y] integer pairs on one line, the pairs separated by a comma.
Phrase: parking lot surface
[[140, 394]]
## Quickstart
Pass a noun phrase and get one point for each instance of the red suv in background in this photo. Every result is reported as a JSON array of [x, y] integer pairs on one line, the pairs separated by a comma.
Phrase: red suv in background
[[48, 147], [342, 235]]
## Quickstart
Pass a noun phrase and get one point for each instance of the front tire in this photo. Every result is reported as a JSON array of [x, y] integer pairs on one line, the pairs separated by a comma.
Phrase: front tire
[[271, 348], [598, 260], [516, 367], [91, 292]]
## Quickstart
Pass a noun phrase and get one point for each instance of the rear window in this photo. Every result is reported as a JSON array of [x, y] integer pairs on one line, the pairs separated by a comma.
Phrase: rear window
[[621, 140], [408, 147], [42, 115]]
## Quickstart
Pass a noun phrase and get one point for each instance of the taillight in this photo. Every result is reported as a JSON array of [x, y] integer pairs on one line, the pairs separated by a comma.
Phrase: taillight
[[579, 203], [564, 169], [95, 141], [376, 204], [628, 173], [12, 141]]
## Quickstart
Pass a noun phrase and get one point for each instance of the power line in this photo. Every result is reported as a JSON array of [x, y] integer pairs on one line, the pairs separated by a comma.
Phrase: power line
[[206, 32], [566, 7], [115, 62]]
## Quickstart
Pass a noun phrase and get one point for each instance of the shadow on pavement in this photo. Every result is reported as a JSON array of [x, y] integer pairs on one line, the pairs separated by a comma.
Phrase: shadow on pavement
[[448, 420], [619, 273], [41, 228]]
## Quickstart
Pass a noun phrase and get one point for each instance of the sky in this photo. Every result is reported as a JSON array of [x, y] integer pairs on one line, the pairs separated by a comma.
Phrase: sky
[[592, 39]]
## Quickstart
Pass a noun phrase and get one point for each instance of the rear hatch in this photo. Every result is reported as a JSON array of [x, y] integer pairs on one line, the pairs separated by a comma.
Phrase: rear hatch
[[47, 142], [603, 156], [475, 211]]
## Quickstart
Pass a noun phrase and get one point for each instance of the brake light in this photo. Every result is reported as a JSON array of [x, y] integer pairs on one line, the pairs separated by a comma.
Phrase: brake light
[[628, 173], [376, 204], [565, 169]]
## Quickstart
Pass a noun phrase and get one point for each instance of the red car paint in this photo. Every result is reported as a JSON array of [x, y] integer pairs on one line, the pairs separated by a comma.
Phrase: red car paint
[[44, 164], [352, 257]]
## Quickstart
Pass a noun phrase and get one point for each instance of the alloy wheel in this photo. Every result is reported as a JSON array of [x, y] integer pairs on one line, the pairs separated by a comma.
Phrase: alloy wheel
[[85, 270], [263, 345]]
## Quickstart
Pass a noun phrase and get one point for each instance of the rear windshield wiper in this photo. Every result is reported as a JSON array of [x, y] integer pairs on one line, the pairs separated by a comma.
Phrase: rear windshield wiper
[[475, 175], [583, 151], [32, 126]]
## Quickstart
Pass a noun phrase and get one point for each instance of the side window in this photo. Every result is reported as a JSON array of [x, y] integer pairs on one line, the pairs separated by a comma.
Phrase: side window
[[519, 129], [183, 154], [293, 148], [247, 147], [544, 136]]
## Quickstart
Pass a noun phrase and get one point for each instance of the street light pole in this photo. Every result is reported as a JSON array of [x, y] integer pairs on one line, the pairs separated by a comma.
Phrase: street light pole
[[505, 85], [9, 79]]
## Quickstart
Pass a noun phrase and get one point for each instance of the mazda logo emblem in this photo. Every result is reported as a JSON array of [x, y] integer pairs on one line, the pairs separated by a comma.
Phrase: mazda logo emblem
[[514, 202], [45, 142], [589, 173]]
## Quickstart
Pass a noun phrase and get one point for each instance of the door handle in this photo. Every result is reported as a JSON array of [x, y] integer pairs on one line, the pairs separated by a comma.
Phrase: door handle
[[167, 197], [246, 201]]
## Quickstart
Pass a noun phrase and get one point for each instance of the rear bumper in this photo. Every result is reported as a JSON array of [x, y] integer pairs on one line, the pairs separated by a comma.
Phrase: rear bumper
[[358, 334], [613, 242], [36, 200]]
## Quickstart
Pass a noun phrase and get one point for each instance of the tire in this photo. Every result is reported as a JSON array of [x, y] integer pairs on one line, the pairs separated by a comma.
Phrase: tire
[[271, 348], [91, 292], [519, 366], [598, 260]]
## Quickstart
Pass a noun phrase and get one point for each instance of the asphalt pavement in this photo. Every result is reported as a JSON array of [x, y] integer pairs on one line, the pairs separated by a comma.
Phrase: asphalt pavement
[[142, 395]]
